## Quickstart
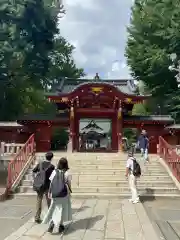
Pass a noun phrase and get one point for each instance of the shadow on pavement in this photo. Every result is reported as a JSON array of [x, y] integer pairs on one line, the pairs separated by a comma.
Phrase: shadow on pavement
[[76, 210], [147, 195], [85, 223]]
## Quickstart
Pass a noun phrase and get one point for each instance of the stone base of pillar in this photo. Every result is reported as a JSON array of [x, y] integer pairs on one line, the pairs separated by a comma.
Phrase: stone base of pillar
[[69, 146]]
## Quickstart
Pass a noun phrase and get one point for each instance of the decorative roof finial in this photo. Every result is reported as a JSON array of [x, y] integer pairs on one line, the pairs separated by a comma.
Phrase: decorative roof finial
[[96, 77]]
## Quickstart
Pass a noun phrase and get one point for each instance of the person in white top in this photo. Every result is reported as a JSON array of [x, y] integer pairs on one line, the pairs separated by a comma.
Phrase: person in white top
[[60, 210], [132, 179]]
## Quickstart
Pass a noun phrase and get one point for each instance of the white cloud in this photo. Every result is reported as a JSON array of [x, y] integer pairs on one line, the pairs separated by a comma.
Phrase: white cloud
[[97, 28]]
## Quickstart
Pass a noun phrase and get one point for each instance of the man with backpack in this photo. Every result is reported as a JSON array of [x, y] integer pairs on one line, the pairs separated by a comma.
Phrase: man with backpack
[[43, 171], [133, 171]]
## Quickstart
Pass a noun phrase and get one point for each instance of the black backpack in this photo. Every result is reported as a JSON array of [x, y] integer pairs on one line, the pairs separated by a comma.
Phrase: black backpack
[[136, 168], [40, 179], [58, 187]]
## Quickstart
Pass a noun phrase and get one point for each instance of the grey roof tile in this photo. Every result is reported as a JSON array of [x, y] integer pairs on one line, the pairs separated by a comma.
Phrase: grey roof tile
[[174, 126], [9, 124], [44, 117], [166, 118], [68, 85], [103, 124]]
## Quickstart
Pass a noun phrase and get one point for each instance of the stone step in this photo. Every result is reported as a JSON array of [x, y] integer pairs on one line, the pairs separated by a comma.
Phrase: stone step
[[106, 158], [110, 190], [77, 177], [107, 164], [100, 161], [109, 168], [108, 196], [100, 183], [102, 175], [111, 176]]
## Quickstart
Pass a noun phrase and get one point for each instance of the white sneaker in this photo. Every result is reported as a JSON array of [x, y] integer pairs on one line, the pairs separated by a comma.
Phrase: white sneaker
[[136, 201]]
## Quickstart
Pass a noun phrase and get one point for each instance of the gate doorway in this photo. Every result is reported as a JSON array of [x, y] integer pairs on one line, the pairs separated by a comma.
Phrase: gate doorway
[[95, 135]]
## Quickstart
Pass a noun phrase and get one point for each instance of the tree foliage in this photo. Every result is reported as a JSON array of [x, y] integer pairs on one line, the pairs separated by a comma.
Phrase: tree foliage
[[32, 55], [153, 36], [140, 110]]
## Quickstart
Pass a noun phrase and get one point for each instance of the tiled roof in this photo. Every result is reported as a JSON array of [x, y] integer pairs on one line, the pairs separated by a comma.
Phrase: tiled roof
[[68, 85], [103, 124], [166, 118], [44, 117], [10, 124], [174, 126]]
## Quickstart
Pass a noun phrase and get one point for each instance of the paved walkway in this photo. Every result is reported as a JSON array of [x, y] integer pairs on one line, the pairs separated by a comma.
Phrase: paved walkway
[[14, 213], [97, 220], [165, 216]]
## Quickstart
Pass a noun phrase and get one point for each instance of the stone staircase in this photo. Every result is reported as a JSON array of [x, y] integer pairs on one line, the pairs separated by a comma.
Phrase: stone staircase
[[103, 175]]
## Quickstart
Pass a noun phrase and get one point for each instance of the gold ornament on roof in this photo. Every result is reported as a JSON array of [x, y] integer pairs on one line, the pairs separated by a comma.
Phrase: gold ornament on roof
[[128, 100], [97, 89]]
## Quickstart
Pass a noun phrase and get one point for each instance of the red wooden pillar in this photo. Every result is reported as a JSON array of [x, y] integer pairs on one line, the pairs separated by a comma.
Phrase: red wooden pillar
[[72, 129], [119, 127]]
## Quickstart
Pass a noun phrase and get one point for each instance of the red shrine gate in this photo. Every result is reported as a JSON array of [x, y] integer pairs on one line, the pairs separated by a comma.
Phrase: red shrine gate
[[78, 99], [96, 100]]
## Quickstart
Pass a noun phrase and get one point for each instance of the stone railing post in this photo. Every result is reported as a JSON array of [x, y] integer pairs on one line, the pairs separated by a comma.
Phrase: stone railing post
[[2, 147]]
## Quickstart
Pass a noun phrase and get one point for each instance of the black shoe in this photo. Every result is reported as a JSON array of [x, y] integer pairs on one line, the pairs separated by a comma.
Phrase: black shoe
[[51, 227], [38, 221], [61, 228]]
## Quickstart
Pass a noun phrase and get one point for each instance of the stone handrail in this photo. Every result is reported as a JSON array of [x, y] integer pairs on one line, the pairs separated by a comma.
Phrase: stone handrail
[[10, 148]]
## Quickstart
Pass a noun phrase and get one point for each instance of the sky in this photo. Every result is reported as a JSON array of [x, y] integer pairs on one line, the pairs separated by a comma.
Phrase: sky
[[97, 29]]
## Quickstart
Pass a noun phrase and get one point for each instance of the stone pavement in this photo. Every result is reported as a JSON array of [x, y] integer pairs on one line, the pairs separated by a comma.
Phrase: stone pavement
[[14, 213], [165, 216], [96, 220]]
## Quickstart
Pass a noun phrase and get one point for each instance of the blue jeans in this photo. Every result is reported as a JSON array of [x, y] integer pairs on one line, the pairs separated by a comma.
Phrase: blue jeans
[[144, 154]]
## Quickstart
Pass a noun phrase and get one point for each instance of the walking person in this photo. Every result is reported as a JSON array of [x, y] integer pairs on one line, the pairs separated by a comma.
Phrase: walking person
[[133, 171], [143, 143], [60, 210], [43, 171]]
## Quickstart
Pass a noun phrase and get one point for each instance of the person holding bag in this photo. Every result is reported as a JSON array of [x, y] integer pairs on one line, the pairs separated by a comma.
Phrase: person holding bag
[[60, 210]]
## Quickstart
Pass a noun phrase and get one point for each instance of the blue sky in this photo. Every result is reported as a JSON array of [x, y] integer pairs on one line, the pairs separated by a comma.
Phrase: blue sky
[[97, 28]]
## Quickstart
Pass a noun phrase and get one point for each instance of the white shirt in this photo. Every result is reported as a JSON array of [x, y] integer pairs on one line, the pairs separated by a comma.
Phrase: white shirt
[[129, 163], [67, 176]]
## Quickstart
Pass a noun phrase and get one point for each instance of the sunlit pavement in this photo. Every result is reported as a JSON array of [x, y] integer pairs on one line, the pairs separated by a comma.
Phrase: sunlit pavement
[[96, 220]]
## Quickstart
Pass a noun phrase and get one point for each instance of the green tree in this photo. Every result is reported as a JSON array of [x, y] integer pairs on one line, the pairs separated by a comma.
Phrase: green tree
[[140, 110], [62, 64], [153, 36], [130, 134], [60, 138], [30, 43]]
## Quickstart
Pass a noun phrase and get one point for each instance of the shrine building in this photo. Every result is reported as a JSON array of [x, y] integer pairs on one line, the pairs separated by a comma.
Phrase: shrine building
[[95, 112]]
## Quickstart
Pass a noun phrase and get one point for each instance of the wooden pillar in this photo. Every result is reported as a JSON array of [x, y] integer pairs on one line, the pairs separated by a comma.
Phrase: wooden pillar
[[119, 126], [72, 129]]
